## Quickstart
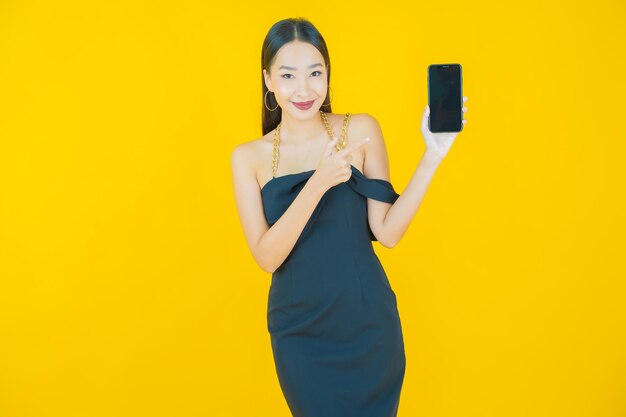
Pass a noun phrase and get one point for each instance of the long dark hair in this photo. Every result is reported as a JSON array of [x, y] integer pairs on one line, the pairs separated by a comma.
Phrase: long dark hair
[[280, 33]]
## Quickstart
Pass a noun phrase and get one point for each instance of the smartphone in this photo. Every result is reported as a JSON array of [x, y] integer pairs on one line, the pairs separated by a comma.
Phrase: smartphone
[[445, 98]]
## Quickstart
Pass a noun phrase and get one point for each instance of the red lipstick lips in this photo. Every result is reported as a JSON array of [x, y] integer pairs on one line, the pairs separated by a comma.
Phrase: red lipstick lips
[[304, 105]]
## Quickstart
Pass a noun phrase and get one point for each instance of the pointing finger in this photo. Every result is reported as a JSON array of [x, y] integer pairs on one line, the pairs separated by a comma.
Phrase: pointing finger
[[354, 146], [330, 146]]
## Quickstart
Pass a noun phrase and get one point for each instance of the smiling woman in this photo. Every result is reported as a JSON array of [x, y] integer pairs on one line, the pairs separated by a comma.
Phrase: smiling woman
[[304, 58], [331, 314]]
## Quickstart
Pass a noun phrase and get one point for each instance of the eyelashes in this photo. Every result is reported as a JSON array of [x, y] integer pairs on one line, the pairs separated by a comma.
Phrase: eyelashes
[[283, 76]]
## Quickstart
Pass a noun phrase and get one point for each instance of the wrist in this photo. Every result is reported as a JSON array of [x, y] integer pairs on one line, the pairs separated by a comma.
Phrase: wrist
[[432, 157], [315, 185]]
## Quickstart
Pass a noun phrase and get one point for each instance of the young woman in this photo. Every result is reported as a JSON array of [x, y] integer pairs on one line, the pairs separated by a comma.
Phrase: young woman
[[312, 194]]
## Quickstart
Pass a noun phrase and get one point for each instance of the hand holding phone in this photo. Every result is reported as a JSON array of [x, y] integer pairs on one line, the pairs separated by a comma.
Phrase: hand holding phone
[[443, 116], [445, 98]]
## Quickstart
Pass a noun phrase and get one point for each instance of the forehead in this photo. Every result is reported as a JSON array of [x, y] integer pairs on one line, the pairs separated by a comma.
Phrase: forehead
[[298, 54]]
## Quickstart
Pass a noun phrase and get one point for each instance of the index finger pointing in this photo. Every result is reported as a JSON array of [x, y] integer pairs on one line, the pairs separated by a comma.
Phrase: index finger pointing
[[353, 146]]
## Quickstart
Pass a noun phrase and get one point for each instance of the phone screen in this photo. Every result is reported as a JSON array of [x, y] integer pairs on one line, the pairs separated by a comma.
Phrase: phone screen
[[445, 98]]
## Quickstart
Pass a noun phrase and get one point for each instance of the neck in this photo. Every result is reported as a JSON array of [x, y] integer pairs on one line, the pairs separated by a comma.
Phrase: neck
[[299, 131]]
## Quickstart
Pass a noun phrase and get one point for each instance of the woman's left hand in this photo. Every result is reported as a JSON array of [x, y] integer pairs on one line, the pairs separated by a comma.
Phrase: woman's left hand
[[438, 144]]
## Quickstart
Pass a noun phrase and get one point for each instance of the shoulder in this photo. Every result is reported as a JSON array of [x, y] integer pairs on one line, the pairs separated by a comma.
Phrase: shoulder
[[364, 124], [359, 124], [244, 156], [376, 157], [241, 156]]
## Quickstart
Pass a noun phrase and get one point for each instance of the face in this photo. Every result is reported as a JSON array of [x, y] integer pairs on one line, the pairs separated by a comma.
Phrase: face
[[303, 81]]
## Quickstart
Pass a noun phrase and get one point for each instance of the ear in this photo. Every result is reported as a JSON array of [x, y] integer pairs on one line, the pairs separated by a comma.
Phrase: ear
[[268, 81]]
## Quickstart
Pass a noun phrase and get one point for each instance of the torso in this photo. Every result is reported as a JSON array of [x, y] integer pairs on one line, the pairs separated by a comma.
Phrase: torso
[[299, 158]]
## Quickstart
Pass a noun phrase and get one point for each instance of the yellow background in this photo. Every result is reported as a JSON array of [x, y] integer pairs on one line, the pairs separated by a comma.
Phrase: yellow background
[[126, 285]]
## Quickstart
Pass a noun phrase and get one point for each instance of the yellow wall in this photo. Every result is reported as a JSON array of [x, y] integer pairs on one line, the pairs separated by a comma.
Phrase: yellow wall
[[127, 288]]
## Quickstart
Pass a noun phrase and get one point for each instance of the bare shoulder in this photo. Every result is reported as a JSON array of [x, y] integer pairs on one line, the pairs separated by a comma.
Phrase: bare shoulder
[[242, 158], [376, 164], [359, 125], [245, 157], [364, 124]]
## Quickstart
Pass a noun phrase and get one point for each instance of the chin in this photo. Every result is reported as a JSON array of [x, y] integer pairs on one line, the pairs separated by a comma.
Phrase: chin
[[311, 113]]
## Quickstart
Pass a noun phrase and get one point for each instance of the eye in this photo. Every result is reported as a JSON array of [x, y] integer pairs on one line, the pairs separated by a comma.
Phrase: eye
[[289, 75]]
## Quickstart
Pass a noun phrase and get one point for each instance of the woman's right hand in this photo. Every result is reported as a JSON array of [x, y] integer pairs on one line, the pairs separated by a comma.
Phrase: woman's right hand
[[334, 167]]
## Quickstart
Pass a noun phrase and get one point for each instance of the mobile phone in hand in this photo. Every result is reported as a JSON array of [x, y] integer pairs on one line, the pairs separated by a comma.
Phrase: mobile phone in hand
[[445, 98]]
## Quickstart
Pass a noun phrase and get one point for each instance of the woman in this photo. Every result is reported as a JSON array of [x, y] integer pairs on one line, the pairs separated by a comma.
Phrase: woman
[[310, 203]]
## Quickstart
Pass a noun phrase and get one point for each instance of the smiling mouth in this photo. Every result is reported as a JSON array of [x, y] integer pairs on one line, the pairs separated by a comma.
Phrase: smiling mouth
[[303, 105]]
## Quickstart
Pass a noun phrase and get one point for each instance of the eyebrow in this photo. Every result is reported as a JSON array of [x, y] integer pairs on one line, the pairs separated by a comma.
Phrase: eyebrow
[[293, 69]]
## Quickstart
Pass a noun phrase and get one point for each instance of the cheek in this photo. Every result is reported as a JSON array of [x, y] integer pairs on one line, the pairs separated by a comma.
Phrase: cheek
[[284, 89], [319, 85]]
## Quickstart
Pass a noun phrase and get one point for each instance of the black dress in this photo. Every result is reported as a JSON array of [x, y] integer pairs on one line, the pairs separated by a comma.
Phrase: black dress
[[332, 314]]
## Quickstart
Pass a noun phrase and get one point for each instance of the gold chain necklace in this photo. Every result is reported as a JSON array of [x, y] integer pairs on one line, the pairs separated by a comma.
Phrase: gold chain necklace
[[339, 146]]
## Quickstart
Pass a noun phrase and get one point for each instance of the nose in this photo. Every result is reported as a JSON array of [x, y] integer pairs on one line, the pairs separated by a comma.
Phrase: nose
[[302, 89]]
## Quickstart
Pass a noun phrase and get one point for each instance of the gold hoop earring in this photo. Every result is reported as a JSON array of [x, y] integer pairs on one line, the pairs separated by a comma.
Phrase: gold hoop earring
[[265, 102], [331, 100]]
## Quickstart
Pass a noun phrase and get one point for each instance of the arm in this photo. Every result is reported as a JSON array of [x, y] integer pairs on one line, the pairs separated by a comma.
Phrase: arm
[[402, 212], [269, 246], [389, 222]]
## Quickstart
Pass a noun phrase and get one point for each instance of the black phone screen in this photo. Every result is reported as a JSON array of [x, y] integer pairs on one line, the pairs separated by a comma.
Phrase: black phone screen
[[445, 98]]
